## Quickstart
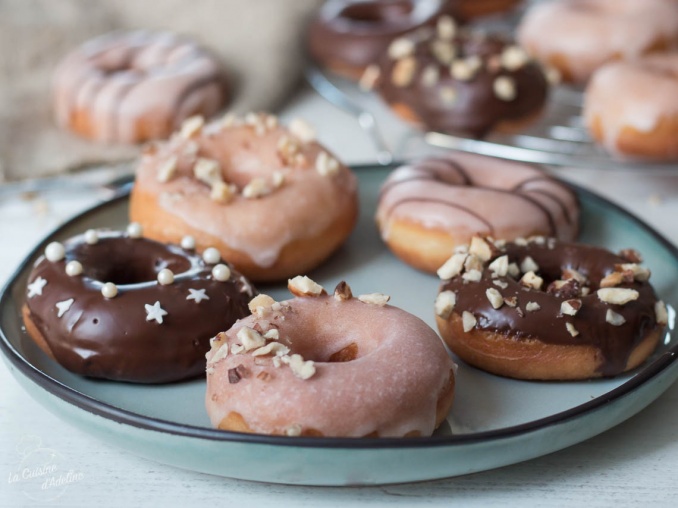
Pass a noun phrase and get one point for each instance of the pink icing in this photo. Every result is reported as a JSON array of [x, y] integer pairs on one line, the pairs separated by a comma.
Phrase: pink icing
[[467, 194], [126, 78], [632, 94], [391, 388], [305, 205], [588, 33]]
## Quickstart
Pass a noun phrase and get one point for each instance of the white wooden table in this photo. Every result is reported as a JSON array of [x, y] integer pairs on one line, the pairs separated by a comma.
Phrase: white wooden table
[[635, 463]]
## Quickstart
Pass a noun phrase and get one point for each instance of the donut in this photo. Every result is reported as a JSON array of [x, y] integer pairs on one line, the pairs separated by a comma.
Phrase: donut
[[471, 9], [118, 306], [578, 36], [549, 310], [461, 82], [429, 207], [271, 199], [130, 87], [640, 119], [347, 36], [329, 365]]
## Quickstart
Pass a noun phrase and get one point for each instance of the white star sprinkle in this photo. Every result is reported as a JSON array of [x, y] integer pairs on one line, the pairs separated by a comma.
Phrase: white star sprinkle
[[64, 306], [35, 287], [197, 294], [155, 312]]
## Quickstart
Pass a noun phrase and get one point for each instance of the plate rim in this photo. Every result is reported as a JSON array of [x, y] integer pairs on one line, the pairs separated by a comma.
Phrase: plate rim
[[107, 411]]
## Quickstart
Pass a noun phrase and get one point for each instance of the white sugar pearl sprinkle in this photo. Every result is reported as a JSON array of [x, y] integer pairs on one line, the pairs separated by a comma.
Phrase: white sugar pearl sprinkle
[[188, 243], [91, 236], [55, 252], [109, 290], [73, 268], [134, 230], [165, 277], [211, 255], [221, 273]]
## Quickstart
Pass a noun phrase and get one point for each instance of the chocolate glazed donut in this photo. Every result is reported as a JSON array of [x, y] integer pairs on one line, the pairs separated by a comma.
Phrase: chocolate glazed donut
[[349, 35], [130, 87], [543, 309], [455, 81], [115, 309]]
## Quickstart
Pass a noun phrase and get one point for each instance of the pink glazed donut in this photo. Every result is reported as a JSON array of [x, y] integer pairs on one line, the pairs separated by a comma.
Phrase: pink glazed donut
[[321, 365], [129, 87], [578, 36]]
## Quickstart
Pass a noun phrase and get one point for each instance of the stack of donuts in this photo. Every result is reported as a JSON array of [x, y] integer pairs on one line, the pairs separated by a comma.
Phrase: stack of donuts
[[218, 204]]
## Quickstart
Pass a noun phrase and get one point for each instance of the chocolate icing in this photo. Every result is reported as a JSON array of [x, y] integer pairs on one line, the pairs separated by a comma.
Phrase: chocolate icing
[[475, 109], [354, 33], [547, 324], [111, 338]]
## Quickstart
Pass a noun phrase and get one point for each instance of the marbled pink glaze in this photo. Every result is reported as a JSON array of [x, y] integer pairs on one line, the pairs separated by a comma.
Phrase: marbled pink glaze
[[303, 207], [464, 194], [391, 388], [634, 94], [588, 33], [137, 85]]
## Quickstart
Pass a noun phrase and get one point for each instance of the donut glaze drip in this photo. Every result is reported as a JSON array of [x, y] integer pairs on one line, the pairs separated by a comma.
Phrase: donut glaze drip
[[134, 86], [430, 93], [548, 324], [475, 194], [112, 338]]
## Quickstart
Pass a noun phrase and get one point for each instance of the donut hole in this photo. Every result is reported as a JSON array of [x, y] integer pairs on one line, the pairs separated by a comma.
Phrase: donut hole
[[377, 12]]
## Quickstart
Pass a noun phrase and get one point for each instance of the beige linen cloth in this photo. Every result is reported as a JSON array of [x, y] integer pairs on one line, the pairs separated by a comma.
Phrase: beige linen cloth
[[259, 42]]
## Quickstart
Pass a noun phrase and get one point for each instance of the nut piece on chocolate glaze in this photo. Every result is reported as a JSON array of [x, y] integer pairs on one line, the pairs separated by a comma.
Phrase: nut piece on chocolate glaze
[[495, 298], [445, 302], [613, 318], [617, 296], [452, 267], [564, 288], [631, 255], [468, 321], [531, 280], [570, 307]]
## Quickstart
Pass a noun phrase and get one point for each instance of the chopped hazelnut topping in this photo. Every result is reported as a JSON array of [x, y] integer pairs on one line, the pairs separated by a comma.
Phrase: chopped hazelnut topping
[[236, 374], [613, 318], [222, 192], [430, 76], [302, 130], [473, 263], [236, 349], [480, 248], [278, 179], [500, 283], [301, 285], [570, 328], [661, 313], [369, 77], [513, 58], [375, 299], [403, 71], [452, 267], [264, 376], [505, 88], [192, 126], [256, 188], [570, 307], [631, 255], [617, 296], [513, 270], [443, 51], [228, 120], [250, 338], [532, 307], [400, 48], [500, 266], [531, 280], [448, 95], [287, 147], [472, 276], [564, 288], [300, 368], [529, 265], [461, 70], [221, 353], [271, 122], [343, 292], [326, 165], [260, 303], [468, 321], [640, 273], [570, 273], [495, 298], [612, 279], [207, 171], [167, 169], [445, 302], [520, 241], [272, 334], [272, 348], [511, 301], [293, 430], [446, 28], [585, 291]]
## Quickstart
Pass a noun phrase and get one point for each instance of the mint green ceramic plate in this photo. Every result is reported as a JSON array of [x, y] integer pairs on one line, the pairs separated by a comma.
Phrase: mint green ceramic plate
[[494, 422]]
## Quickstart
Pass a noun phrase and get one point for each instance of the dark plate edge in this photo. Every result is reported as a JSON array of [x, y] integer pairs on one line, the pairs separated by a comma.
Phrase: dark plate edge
[[123, 416]]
